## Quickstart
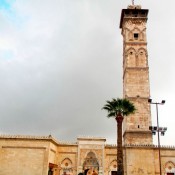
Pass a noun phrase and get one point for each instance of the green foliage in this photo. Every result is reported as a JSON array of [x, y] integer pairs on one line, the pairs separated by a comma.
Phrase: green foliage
[[119, 106]]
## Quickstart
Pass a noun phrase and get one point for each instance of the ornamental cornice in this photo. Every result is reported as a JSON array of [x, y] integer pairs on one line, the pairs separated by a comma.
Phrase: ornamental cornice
[[129, 21], [111, 145], [91, 138], [149, 146], [136, 68], [138, 43], [142, 146], [130, 27], [25, 137], [137, 97]]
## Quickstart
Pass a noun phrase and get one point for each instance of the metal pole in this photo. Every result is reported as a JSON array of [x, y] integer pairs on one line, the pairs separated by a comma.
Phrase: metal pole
[[158, 139]]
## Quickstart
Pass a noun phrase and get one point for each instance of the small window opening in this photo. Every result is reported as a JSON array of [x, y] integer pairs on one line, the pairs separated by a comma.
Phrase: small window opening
[[138, 126], [131, 53], [136, 36]]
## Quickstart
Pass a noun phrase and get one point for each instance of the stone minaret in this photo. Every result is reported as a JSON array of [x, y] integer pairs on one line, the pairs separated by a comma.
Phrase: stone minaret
[[136, 86]]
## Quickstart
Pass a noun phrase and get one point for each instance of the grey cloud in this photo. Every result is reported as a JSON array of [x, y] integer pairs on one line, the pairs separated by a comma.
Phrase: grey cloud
[[68, 61]]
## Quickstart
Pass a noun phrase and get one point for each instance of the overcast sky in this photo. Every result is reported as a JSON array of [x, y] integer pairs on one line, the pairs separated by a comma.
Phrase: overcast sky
[[60, 60]]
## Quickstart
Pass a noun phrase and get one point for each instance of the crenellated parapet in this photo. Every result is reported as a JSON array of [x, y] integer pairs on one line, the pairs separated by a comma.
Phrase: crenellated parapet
[[25, 137]]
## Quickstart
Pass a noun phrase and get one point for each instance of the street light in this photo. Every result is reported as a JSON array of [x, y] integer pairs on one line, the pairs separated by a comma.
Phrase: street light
[[158, 129]]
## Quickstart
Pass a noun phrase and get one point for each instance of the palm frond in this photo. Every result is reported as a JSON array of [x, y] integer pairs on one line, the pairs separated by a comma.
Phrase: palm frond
[[119, 106]]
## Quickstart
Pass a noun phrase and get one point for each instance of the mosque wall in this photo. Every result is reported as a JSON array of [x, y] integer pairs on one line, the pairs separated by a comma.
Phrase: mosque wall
[[26, 155], [110, 159], [139, 160], [19, 156], [167, 155], [67, 159]]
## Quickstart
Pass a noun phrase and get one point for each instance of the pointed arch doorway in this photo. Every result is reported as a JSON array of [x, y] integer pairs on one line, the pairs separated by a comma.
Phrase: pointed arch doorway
[[90, 163]]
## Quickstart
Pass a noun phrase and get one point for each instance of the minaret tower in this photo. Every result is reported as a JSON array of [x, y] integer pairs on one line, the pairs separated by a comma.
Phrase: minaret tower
[[136, 86]]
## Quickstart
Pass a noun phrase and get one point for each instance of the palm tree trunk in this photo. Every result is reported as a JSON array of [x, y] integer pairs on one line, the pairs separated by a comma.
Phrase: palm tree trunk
[[120, 169]]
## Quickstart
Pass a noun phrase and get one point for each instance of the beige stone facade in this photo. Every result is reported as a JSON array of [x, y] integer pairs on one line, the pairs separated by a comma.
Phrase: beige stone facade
[[136, 74], [29, 155]]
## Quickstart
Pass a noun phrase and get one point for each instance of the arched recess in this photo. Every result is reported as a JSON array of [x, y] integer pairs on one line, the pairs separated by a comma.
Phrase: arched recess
[[91, 162], [141, 60], [143, 35], [112, 167], [128, 35], [130, 58], [169, 168], [66, 167]]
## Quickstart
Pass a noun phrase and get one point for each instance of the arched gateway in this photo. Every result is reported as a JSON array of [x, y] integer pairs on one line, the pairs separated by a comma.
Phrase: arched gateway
[[91, 162]]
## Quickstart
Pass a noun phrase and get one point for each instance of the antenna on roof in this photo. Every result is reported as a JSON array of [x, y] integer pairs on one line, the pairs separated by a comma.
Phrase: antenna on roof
[[132, 2]]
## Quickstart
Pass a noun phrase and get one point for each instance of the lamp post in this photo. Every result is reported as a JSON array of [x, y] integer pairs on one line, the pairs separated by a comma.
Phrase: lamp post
[[158, 129]]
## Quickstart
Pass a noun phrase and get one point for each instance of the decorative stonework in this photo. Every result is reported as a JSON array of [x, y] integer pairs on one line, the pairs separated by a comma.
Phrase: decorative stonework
[[85, 152], [169, 165], [25, 136], [136, 75], [130, 23]]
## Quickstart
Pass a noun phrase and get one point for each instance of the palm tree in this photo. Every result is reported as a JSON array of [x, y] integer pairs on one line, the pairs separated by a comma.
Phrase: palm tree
[[118, 108]]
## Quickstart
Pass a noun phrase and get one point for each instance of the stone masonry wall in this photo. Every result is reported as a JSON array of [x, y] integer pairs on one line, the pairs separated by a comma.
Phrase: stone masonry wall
[[23, 157]]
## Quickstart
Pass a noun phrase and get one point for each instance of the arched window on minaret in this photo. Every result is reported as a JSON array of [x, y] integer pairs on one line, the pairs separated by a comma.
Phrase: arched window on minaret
[[130, 35], [142, 58], [143, 35], [131, 58]]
